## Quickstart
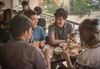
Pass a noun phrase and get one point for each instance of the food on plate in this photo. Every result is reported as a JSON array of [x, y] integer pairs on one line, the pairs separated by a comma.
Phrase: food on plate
[[63, 44], [74, 46]]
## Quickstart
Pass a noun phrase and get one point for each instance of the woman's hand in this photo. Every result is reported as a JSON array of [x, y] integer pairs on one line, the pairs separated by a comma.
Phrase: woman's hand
[[47, 53], [65, 54]]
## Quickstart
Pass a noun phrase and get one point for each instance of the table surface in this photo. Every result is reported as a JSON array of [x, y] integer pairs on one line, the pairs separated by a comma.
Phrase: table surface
[[58, 58]]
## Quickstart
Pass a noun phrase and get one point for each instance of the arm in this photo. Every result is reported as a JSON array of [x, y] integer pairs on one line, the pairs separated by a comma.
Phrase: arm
[[54, 41], [67, 58], [47, 55]]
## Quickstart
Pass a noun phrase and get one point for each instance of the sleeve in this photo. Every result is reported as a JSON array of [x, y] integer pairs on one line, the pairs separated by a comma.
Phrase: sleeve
[[51, 29], [38, 60]]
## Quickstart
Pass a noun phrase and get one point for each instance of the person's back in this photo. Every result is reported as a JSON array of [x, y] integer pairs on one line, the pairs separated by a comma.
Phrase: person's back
[[4, 26], [18, 54], [88, 58]]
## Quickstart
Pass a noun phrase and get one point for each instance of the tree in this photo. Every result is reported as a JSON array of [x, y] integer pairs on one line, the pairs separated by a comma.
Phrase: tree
[[80, 7], [50, 6]]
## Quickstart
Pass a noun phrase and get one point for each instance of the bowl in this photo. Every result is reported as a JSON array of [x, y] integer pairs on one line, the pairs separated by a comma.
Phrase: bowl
[[58, 50]]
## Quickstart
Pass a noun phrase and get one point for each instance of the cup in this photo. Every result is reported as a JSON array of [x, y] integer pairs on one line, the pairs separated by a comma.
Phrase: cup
[[36, 43]]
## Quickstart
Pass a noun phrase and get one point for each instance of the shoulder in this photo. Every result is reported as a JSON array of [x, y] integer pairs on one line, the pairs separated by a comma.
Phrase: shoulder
[[31, 47], [52, 26], [67, 23], [90, 57], [39, 28]]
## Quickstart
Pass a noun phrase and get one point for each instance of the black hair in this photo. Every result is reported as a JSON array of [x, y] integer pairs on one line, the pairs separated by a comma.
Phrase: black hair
[[15, 12], [61, 12], [7, 15], [29, 12], [38, 10], [1, 3], [24, 3], [18, 25]]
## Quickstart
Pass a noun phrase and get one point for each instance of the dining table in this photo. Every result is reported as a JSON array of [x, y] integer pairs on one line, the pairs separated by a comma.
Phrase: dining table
[[58, 58]]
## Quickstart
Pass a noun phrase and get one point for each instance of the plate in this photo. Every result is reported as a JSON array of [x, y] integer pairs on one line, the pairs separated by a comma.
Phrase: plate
[[73, 52], [74, 49]]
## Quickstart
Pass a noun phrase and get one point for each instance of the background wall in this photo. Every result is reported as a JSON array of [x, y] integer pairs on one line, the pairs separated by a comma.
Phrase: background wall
[[15, 4], [8, 3]]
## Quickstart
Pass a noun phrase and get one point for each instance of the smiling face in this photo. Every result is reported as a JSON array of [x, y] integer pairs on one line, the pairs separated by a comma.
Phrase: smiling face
[[59, 21], [34, 20]]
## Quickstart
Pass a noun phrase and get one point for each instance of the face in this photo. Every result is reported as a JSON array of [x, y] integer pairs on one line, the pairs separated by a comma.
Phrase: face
[[59, 21], [34, 19], [25, 7], [28, 34]]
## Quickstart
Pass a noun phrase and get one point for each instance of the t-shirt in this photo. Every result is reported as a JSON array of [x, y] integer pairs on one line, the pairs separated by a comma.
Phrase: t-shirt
[[61, 33], [89, 58], [37, 35], [18, 54]]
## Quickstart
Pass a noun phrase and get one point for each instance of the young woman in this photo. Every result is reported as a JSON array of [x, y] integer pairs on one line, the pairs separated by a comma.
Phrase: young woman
[[89, 36]]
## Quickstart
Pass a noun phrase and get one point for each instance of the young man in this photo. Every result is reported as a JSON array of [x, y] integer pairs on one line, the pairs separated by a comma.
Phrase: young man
[[60, 30], [24, 6], [18, 54], [38, 35], [41, 21]]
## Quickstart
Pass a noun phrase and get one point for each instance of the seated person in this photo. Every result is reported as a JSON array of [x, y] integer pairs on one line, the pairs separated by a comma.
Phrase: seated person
[[18, 54], [60, 30], [38, 35], [90, 39], [41, 20], [4, 26]]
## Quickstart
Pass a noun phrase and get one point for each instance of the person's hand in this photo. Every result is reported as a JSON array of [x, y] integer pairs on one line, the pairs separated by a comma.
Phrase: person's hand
[[73, 38], [42, 44], [69, 41], [65, 54], [47, 53]]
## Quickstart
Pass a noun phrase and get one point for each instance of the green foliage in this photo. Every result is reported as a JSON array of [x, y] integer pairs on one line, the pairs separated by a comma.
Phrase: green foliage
[[80, 7], [77, 7], [50, 6]]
